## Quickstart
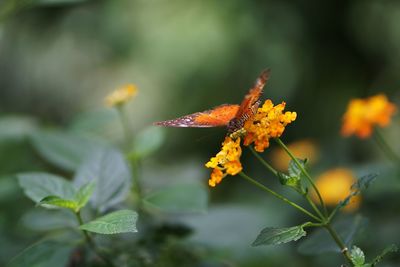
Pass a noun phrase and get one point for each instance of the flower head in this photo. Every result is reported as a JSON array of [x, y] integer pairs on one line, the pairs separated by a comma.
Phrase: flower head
[[268, 122], [305, 148], [227, 161], [363, 114], [335, 185], [121, 95]]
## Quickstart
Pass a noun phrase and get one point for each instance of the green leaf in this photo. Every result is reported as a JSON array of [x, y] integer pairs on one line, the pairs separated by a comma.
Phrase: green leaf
[[179, 198], [361, 184], [276, 236], [49, 219], [364, 182], [43, 254], [111, 174], [294, 170], [285, 179], [16, 127], [37, 185], [147, 142], [357, 256], [122, 221], [103, 123], [84, 193], [64, 150], [390, 249], [60, 202]]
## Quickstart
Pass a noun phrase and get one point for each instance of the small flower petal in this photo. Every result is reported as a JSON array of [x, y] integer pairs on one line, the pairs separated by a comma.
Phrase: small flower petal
[[121, 95], [227, 161], [269, 122], [363, 114]]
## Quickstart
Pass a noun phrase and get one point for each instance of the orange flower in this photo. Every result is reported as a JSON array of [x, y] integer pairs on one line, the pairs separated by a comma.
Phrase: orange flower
[[363, 114], [302, 149], [227, 161], [268, 122], [121, 95], [334, 186]]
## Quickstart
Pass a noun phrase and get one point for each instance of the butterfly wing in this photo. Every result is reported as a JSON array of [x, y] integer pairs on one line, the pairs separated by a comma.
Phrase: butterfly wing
[[218, 116], [250, 103], [253, 95]]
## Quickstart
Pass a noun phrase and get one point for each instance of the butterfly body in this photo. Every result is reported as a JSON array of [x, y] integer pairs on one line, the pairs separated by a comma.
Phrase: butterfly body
[[230, 115]]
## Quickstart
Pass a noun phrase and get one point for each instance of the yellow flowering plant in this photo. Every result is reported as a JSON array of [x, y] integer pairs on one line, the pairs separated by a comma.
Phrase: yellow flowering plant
[[337, 188], [365, 116]]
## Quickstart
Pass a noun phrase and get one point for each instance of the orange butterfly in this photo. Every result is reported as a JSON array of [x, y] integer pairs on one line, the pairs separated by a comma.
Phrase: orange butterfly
[[230, 115]]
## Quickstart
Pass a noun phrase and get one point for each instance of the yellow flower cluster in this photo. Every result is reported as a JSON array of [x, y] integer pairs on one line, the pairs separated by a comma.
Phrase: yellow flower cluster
[[363, 114], [268, 122], [227, 161], [121, 95], [335, 185]]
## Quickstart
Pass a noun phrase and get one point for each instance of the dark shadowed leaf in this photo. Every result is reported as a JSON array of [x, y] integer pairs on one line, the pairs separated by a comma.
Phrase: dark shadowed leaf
[[179, 198], [122, 221], [276, 236], [47, 220], [43, 254], [110, 172], [390, 249], [320, 241], [37, 185], [64, 150], [361, 184]]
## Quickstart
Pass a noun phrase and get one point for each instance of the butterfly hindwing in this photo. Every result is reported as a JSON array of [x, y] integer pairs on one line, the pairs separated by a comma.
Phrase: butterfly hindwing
[[218, 116]]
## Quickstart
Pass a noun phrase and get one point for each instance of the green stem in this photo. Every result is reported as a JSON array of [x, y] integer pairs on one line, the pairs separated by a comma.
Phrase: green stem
[[136, 186], [88, 238], [263, 187], [312, 204], [275, 172], [263, 162], [125, 124], [91, 242], [304, 171], [385, 147], [339, 242]]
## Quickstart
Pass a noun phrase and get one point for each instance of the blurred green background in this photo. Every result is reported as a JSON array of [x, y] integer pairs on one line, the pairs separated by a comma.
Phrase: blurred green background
[[59, 58]]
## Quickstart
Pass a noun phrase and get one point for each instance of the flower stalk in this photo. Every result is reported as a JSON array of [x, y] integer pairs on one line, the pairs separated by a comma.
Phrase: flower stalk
[[385, 147], [277, 195], [90, 242], [304, 171]]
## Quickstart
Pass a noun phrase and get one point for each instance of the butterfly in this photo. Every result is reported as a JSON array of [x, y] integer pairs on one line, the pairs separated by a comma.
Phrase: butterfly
[[230, 115]]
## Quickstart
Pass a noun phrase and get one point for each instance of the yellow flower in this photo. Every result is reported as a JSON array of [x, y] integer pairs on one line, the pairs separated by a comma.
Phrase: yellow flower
[[302, 149], [121, 95], [227, 161], [268, 122], [335, 185], [363, 114]]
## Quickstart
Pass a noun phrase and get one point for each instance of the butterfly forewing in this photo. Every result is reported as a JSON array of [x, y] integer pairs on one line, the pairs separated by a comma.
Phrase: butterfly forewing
[[218, 116], [254, 95]]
